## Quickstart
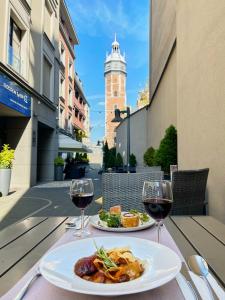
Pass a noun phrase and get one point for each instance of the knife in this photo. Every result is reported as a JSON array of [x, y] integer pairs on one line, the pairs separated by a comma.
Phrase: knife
[[185, 272]]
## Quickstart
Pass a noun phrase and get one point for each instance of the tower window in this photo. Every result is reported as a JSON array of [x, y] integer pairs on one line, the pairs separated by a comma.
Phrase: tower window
[[115, 94]]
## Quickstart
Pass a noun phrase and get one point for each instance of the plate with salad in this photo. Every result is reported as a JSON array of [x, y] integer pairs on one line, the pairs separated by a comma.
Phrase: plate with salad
[[117, 220]]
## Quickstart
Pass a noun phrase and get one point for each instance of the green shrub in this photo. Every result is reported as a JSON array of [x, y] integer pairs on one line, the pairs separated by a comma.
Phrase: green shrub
[[119, 160], [6, 157], [166, 155], [132, 160], [149, 157], [58, 161]]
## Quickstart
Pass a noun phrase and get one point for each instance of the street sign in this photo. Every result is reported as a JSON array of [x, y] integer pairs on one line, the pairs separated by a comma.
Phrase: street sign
[[13, 96]]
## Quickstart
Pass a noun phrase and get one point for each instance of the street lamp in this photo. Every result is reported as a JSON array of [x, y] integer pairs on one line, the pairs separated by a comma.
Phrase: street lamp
[[118, 119], [99, 143]]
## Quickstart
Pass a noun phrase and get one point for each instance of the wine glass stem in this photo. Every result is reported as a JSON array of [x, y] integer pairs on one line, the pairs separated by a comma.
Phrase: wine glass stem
[[158, 231], [82, 220]]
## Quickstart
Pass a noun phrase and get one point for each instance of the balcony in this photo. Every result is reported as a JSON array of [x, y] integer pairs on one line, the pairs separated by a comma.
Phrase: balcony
[[15, 61]]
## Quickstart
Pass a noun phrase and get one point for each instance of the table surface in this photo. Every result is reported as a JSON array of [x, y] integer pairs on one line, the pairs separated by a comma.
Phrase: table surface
[[24, 243]]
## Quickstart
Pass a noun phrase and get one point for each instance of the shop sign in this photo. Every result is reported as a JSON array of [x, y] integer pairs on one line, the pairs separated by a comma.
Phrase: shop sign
[[13, 96]]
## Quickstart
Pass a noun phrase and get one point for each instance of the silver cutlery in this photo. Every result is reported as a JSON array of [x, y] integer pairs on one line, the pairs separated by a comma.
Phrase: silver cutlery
[[27, 285], [77, 223], [199, 266], [185, 272]]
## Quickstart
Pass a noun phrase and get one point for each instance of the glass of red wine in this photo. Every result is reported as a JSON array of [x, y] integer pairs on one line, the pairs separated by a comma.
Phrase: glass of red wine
[[81, 194], [157, 199]]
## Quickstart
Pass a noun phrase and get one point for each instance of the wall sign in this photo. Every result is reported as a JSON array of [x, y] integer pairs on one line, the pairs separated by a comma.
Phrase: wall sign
[[13, 96]]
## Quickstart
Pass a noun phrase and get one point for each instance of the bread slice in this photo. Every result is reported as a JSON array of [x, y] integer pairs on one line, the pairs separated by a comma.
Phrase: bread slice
[[115, 210]]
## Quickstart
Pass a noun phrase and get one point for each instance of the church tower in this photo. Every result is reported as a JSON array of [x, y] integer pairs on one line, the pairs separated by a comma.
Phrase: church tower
[[115, 89]]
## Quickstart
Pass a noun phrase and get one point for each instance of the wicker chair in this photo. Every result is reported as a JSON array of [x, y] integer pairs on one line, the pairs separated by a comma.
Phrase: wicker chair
[[125, 189], [189, 189]]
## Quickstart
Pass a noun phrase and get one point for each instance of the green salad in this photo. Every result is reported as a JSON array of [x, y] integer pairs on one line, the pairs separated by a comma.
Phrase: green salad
[[114, 220]]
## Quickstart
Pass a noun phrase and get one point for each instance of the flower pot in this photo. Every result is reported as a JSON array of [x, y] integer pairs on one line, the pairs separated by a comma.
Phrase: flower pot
[[132, 169], [5, 177], [58, 173]]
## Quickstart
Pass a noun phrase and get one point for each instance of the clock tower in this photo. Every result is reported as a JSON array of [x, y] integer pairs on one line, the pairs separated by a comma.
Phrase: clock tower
[[115, 89]]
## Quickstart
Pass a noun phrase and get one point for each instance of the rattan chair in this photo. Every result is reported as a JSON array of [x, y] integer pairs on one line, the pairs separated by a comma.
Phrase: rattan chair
[[189, 189], [125, 189]]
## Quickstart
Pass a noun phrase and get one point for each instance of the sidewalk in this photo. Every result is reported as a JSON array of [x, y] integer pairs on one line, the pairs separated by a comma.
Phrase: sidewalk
[[8, 202]]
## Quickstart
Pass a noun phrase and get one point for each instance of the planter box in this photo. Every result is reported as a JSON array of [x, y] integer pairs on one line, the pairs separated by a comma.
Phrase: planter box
[[58, 173], [5, 177]]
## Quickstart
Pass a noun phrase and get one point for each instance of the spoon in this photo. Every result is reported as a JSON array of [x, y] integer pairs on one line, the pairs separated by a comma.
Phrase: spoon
[[199, 266]]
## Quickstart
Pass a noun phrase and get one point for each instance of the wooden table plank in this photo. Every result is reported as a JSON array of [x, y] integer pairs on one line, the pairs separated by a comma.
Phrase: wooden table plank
[[216, 228], [14, 231], [183, 244], [205, 244], [15, 251], [9, 279]]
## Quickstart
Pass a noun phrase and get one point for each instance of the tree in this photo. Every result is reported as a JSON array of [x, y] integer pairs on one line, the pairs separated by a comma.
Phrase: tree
[[105, 149], [149, 157], [119, 160], [132, 160], [166, 155]]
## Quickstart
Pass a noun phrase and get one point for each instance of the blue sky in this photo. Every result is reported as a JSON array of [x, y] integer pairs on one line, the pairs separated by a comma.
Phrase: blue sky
[[96, 22]]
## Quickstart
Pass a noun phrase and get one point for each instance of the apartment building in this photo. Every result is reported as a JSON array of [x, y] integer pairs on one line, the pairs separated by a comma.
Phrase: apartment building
[[82, 110], [29, 77], [68, 39]]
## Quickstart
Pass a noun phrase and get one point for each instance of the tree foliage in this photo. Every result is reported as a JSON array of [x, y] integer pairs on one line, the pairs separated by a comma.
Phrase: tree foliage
[[132, 160], [149, 156], [119, 160], [6, 157], [166, 155]]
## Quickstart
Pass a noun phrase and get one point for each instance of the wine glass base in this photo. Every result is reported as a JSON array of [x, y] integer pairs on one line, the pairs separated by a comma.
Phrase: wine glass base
[[82, 234]]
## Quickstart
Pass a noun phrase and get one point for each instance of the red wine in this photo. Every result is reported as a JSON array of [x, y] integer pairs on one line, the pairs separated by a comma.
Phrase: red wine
[[81, 200], [157, 208]]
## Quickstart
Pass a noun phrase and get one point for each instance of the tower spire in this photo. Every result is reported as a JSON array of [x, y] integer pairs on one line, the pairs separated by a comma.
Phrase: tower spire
[[115, 38]]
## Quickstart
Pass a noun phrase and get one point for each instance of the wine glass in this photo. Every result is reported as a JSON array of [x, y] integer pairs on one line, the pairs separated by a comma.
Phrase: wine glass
[[81, 194], [157, 199]]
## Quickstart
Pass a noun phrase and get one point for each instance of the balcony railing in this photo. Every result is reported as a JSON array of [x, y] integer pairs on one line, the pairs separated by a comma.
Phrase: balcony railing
[[15, 61]]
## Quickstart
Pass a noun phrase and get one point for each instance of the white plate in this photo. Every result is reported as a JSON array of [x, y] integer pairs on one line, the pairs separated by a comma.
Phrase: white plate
[[161, 265], [97, 223]]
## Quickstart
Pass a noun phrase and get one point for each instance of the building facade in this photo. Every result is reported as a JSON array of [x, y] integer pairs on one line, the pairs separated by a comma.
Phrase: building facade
[[67, 40], [115, 89], [29, 76]]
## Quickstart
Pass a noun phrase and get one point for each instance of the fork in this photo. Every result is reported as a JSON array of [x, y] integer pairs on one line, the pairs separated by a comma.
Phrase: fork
[[27, 285]]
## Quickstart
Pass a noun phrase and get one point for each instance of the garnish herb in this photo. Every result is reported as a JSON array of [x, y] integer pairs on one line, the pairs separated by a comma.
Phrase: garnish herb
[[101, 253]]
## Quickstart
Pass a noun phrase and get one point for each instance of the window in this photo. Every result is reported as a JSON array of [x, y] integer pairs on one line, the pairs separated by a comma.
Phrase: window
[[70, 123], [47, 68], [70, 70], [115, 94], [48, 20], [62, 54], [62, 87], [61, 117], [76, 112], [70, 97], [77, 94], [15, 45]]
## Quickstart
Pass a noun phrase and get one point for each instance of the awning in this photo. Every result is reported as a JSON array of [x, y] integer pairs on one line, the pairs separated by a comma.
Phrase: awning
[[67, 144]]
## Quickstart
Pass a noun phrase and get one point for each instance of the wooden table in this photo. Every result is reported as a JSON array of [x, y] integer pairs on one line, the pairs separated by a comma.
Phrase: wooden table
[[24, 243]]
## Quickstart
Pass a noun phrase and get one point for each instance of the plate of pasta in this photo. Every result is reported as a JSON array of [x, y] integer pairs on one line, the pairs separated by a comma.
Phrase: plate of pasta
[[110, 266]]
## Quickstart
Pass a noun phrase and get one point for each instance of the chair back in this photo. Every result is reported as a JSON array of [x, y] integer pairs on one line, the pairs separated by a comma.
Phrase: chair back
[[125, 189], [189, 189]]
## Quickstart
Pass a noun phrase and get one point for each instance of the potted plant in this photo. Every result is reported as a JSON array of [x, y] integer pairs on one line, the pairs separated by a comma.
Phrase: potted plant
[[133, 163], [119, 163], [6, 158], [59, 164]]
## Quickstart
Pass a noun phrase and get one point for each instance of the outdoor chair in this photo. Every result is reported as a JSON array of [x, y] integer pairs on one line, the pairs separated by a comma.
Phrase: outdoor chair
[[189, 189], [125, 189]]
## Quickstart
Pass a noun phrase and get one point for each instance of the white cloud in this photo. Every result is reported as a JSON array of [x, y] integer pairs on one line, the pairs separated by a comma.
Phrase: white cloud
[[101, 103]]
